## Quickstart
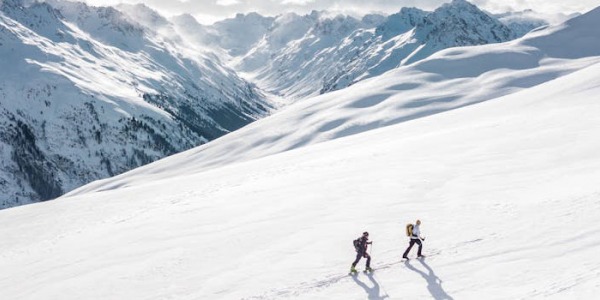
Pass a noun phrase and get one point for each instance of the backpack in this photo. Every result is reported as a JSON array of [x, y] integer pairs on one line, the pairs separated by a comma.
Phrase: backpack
[[409, 229], [356, 244]]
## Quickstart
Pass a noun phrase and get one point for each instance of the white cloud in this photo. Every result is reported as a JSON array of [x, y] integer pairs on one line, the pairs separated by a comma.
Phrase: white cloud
[[227, 2], [543, 6], [297, 2]]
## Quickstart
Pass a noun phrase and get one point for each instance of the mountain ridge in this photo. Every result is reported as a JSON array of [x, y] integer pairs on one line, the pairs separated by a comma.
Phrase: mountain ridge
[[88, 93], [108, 89], [448, 80], [322, 61]]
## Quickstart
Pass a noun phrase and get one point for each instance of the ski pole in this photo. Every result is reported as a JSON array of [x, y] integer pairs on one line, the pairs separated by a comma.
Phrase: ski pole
[[371, 248]]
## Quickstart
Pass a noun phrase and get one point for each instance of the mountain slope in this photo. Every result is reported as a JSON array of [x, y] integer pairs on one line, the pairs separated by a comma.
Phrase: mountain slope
[[87, 92], [450, 79], [281, 226], [91, 92]]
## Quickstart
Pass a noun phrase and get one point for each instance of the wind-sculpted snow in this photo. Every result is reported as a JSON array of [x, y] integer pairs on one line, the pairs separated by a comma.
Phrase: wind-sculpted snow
[[88, 92], [576, 39], [448, 80], [507, 191]]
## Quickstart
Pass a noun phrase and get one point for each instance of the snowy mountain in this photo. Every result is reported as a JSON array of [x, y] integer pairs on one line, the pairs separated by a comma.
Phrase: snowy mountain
[[524, 21], [239, 34], [521, 22], [90, 92], [299, 56], [280, 226], [448, 80]]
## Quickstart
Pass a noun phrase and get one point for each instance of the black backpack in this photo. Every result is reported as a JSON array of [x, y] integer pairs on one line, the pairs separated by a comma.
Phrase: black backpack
[[356, 244]]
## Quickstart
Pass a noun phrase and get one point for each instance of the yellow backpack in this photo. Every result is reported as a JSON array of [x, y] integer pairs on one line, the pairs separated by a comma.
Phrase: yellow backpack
[[409, 229]]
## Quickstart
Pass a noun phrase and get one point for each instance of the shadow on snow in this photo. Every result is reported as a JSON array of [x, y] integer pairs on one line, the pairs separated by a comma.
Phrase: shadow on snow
[[374, 293], [434, 283]]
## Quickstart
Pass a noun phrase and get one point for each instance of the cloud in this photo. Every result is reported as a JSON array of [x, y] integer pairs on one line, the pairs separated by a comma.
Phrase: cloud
[[227, 2], [297, 2], [542, 6]]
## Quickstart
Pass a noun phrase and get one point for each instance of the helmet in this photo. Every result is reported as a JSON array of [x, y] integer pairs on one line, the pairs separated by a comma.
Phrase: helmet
[[366, 233]]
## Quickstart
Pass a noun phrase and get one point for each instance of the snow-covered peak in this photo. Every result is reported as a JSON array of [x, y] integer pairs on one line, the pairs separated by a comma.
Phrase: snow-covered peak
[[372, 20], [461, 23], [339, 25], [144, 15], [251, 18], [39, 17], [284, 29], [106, 24], [188, 27], [239, 34], [185, 20], [401, 22], [288, 27], [242, 34], [459, 5]]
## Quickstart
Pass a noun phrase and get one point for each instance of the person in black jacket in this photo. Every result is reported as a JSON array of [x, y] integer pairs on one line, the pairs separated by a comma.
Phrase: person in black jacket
[[361, 245]]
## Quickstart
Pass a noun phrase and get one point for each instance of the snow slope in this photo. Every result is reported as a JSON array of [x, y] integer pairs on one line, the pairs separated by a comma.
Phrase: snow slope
[[450, 79], [506, 189]]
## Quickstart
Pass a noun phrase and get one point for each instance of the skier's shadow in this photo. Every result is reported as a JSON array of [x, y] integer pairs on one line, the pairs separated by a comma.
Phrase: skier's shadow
[[434, 283], [372, 292]]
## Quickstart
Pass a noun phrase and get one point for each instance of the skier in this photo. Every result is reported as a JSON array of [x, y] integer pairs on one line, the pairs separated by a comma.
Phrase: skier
[[414, 232], [360, 246]]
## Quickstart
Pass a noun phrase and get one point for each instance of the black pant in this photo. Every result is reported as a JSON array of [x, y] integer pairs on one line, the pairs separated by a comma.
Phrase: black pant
[[412, 243], [360, 255]]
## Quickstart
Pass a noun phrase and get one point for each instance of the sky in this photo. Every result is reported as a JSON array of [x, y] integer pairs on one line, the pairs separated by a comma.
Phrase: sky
[[209, 11]]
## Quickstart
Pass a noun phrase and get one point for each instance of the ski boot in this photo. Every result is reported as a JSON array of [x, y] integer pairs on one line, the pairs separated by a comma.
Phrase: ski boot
[[353, 270], [368, 269]]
